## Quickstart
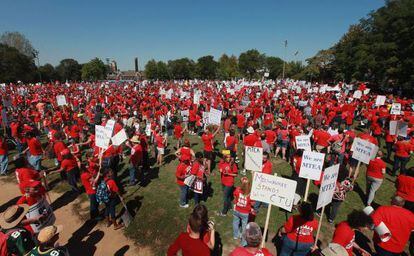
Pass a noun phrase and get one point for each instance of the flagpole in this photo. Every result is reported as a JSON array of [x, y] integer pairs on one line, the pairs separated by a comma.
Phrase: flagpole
[[284, 61]]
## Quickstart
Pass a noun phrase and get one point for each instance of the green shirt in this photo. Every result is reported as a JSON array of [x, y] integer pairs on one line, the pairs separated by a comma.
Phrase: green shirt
[[19, 241], [47, 252]]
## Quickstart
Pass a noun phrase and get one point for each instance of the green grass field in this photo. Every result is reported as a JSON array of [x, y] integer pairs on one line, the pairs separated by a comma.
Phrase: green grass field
[[158, 218]]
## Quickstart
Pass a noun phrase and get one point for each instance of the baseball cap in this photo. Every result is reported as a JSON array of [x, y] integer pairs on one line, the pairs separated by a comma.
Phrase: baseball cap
[[47, 233]]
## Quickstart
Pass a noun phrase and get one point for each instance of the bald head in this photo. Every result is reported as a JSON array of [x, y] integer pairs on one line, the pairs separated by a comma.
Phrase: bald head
[[398, 201]]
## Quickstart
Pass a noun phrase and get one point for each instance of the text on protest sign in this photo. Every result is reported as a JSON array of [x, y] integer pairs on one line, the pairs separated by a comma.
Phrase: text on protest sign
[[303, 142], [214, 116], [119, 138], [363, 150], [395, 109], [61, 100], [312, 164], [357, 94], [109, 128], [101, 140], [380, 100], [254, 159], [326, 191], [273, 190]]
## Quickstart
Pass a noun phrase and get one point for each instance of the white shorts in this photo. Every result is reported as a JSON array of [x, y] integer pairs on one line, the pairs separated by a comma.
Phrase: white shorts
[[161, 151]]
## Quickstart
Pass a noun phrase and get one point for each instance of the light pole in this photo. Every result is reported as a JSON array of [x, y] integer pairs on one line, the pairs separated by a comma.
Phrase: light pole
[[36, 55], [284, 60]]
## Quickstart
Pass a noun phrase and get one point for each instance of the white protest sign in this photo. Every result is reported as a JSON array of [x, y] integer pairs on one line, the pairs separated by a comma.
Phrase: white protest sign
[[61, 100], [393, 127], [41, 208], [273, 190], [169, 94], [357, 94], [101, 140], [205, 118], [254, 159], [214, 116], [366, 91], [109, 128], [363, 150], [312, 164], [395, 109], [402, 129], [148, 129], [196, 99], [119, 138], [326, 191], [380, 100], [185, 113], [303, 142]]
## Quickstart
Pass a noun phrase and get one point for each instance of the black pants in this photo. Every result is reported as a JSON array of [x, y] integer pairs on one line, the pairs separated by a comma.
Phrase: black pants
[[93, 206], [72, 178], [388, 146], [334, 208]]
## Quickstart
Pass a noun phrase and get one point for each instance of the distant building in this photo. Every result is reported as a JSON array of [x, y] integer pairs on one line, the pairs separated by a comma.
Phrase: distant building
[[126, 75]]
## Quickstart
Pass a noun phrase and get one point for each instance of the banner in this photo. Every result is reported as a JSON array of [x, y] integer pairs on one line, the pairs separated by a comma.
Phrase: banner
[[41, 208], [326, 191], [303, 142], [253, 159], [101, 140], [312, 164], [273, 190], [395, 109], [61, 100], [363, 150], [119, 138], [214, 116], [380, 100]]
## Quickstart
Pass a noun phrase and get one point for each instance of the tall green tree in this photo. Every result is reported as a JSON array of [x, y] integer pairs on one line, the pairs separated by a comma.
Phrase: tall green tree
[[274, 66], [250, 62], [20, 42], [69, 69], [94, 70], [228, 67], [48, 73], [162, 71], [15, 66], [206, 67], [151, 70], [183, 68]]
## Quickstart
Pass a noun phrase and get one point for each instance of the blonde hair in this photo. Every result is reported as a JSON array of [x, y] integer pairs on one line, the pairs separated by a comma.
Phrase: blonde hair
[[245, 185]]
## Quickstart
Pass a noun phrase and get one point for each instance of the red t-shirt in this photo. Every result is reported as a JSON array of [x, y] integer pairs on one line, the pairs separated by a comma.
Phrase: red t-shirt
[[402, 148], [399, 221], [267, 167], [375, 168], [69, 164], [322, 138], [405, 187], [197, 169], [344, 235], [35, 147], [226, 169], [58, 147], [270, 136], [185, 154], [188, 246], [243, 203], [178, 131], [136, 155], [242, 251], [160, 141], [113, 188], [208, 141], [86, 179], [3, 147], [182, 170], [25, 175], [250, 140], [300, 230], [231, 143]]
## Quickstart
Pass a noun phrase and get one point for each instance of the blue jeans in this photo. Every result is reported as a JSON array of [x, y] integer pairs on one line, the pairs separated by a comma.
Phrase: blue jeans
[[238, 218], [4, 163], [292, 248], [257, 206], [183, 195], [227, 194], [132, 174], [35, 161]]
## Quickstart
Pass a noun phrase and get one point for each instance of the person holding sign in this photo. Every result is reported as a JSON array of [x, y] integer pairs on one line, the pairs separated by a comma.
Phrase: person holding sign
[[242, 208], [253, 237], [228, 171], [403, 149], [397, 224], [298, 232], [182, 172], [345, 231]]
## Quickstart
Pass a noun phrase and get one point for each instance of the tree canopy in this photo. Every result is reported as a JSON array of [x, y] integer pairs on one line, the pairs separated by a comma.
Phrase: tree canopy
[[94, 70]]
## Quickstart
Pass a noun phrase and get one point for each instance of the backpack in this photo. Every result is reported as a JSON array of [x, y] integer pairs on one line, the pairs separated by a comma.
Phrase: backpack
[[102, 193]]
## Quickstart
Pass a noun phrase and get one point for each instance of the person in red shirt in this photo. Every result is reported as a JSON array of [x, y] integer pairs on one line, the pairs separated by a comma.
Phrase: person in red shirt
[[267, 169], [35, 150], [389, 142], [375, 174], [344, 234], [282, 142], [242, 208], [298, 232], [198, 170], [190, 243], [207, 139], [231, 144], [25, 174], [113, 199], [185, 152], [178, 133], [161, 141], [400, 223], [135, 159], [403, 149], [228, 170], [88, 181], [4, 159], [253, 238], [182, 172], [322, 139], [59, 146], [405, 188], [69, 168], [241, 121]]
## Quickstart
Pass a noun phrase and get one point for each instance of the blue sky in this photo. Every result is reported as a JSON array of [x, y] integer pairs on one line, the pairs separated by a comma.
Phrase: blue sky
[[171, 29]]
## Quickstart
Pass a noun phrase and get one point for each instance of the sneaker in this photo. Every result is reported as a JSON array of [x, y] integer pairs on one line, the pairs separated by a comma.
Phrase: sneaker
[[330, 221], [184, 206], [243, 172], [235, 238], [221, 214]]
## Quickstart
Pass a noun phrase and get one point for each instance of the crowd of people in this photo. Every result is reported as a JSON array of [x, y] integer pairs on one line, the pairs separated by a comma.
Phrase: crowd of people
[[157, 115]]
